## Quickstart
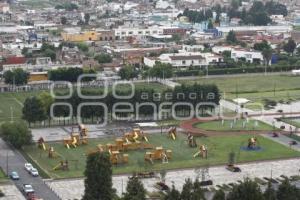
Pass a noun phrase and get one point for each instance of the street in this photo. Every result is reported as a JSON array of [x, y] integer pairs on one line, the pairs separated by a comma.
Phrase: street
[[12, 160]]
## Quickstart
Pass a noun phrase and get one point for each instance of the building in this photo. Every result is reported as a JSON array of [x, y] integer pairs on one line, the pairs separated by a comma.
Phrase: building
[[80, 36], [185, 59], [250, 56]]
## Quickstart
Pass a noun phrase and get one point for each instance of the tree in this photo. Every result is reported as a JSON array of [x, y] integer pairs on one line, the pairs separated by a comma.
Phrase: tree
[[267, 54], [187, 190], [270, 193], [135, 190], [198, 192], [103, 58], [290, 46], [63, 20], [128, 72], [161, 70], [231, 38], [219, 195], [210, 25], [33, 110], [98, 181], [247, 190], [16, 77], [50, 53], [16, 133], [83, 47], [287, 191], [86, 18], [261, 46], [173, 194], [46, 101]]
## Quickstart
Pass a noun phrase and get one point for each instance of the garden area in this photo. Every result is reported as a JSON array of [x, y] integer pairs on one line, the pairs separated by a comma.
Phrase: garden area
[[182, 155]]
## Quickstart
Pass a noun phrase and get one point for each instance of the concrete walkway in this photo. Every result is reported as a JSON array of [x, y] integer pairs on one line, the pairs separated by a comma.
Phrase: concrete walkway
[[74, 189]]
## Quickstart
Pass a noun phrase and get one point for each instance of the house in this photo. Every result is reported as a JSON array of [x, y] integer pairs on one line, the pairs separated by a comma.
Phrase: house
[[250, 56], [185, 59]]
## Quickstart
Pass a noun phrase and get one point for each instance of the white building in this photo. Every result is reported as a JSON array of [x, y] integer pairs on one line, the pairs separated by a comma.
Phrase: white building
[[126, 32], [185, 59], [221, 49], [249, 55]]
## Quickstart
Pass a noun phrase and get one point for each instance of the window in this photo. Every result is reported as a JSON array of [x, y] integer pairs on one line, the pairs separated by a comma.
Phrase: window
[[130, 32], [183, 62], [248, 55]]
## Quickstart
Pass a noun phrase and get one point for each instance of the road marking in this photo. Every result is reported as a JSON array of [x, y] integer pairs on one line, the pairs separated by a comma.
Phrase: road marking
[[19, 102]]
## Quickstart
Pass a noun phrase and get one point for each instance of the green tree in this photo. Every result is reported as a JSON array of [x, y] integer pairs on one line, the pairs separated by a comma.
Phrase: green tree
[[135, 190], [267, 54], [290, 46], [231, 38], [261, 46], [86, 18], [16, 77], [16, 133], [128, 72], [287, 191], [46, 100], [219, 195], [247, 190], [161, 70], [210, 24], [270, 193], [187, 190], [63, 20], [98, 181], [103, 58], [33, 110], [198, 192], [83, 47], [50, 53], [172, 195]]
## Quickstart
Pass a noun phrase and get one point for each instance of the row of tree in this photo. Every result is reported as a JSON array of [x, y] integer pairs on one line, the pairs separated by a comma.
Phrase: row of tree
[[70, 74], [98, 185], [37, 108]]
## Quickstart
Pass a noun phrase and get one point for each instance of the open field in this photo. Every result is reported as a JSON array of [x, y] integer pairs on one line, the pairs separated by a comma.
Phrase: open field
[[251, 125], [256, 88], [218, 149]]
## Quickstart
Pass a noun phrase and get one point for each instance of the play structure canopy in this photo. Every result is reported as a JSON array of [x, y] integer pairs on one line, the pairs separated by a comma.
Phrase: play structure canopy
[[241, 101]]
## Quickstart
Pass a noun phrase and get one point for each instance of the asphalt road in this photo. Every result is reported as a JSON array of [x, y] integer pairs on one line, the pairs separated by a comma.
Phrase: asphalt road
[[16, 163]]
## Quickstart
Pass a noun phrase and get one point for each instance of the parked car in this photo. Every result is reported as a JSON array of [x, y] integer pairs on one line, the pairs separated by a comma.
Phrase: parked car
[[27, 188], [14, 175], [34, 172], [28, 166]]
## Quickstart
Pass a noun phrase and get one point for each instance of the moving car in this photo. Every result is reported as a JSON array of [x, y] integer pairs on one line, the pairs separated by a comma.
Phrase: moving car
[[14, 175], [28, 166], [34, 172], [27, 188]]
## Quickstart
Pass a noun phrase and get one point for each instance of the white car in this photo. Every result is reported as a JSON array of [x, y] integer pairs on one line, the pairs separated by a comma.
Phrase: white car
[[27, 188], [34, 172], [28, 166]]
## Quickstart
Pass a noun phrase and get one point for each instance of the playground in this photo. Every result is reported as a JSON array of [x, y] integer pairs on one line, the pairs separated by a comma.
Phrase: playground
[[157, 152]]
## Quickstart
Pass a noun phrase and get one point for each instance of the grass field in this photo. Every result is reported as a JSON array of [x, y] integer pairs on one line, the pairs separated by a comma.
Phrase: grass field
[[251, 125], [218, 149], [255, 88], [2, 175]]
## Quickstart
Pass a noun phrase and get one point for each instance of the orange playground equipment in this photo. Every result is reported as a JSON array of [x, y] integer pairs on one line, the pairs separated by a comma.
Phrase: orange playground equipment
[[52, 153], [136, 135], [41, 144], [202, 152], [63, 165], [158, 154], [116, 157], [191, 141], [172, 132], [77, 138], [252, 142]]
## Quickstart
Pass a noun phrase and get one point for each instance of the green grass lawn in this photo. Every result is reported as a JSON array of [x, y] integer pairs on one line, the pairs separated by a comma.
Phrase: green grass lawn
[[255, 88], [218, 149], [238, 126], [2, 175]]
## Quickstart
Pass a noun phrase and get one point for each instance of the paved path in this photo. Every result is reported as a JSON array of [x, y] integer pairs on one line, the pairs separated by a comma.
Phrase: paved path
[[16, 163], [11, 192], [71, 189]]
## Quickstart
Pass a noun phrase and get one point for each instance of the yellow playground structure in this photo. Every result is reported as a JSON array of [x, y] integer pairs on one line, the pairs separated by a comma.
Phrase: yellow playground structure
[[158, 154], [136, 135], [252, 142], [172, 132], [63, 165], [77, 138], [42, 144], [116, 157], [202, 152]]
